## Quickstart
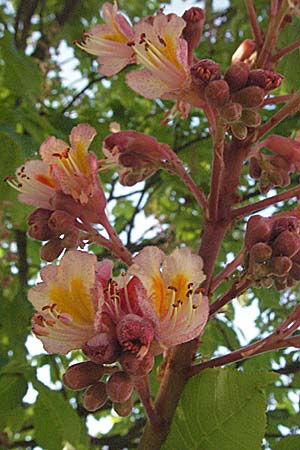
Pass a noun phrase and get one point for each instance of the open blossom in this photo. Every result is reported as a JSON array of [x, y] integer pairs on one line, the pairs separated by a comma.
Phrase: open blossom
[[109, 41], [160, 49], [81, 306], [171, 284]]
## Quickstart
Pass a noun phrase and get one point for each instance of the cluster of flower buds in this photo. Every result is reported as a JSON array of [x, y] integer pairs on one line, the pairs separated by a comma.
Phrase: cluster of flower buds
[[274, 169], [272, 256], [101, 383], [238, 95]]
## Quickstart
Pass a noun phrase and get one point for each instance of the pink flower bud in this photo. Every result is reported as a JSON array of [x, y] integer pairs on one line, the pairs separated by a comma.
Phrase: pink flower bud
[[217, 93], [245, 51], [204, 71], [237, 75], [135, 334], [102, 349], [38, 225], [135, 366], [288, 148], [286, 244], [295, 271], [119, 387], [231, 112], [251, 118], [129, 177], [258, 230], [261, 252], [239, 130], [281, 265], [61, 221], [123, 409], [94, 397], [265, 79], [52, 250], [290, 223], [249, 97], [82, 375], [194, 18], [254, 168]]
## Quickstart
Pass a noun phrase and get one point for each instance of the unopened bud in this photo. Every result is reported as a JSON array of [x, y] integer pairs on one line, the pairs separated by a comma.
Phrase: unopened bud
[[135, 333], [239, 130], [101, 349], [123, 409], [136, 366], [251, 118], [281, 265], [280, 283], [261, 252], [249, 97], [286, 244], [61, 221], [119, 387], [237, 75], [204, 71], [254, 168], [82, 375], [94, 397], [290, 223], [52, 250], [194, 18], [258, 230], [245, 51], [231, 112], [265, 79], [295, 271], [217, 93], [38, 225]]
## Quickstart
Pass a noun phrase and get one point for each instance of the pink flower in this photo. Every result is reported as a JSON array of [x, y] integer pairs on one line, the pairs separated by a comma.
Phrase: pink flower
[[180, 312], [110, 41], [66, 301], [162, 52]]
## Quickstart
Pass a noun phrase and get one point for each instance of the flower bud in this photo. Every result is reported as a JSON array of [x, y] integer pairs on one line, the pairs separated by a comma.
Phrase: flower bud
[[135, 366], [61, 221], [217, 93], [239, 130], [261, 252], [38, 225], [249, 97], [129, 176], [231, 112], [251, 118], [258, 230], [123, 409], [282, 224], [194, 18], [265, 79], [281, 265], [237, 75], [254, 168], [286, 244], [280, 283], [204, 71], [295, 271], [119, 387], [135, 334], [51, 250], [82, 375], [94, 397], [245, 51], [102, 349], [288, 148]]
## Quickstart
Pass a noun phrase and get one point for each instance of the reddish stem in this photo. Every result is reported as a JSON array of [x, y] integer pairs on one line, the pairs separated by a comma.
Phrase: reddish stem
[[254, 207], [285, 51], [217, 170], [278, 99], [237, 288], [117, 246], [227, 271], [141, 385], [254, 24]]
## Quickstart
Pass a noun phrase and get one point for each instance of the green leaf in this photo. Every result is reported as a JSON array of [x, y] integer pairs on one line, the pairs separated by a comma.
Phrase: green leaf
[[12, 389], [64, 424], [221, 409], [289, 443], [21, 74]]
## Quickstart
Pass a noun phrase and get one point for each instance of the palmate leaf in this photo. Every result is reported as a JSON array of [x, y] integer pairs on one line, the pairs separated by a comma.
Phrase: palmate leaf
[[56, 422], [221, 409]]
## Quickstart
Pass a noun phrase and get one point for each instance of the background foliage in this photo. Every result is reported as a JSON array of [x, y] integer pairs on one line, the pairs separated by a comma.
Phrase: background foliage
[[47, 86]]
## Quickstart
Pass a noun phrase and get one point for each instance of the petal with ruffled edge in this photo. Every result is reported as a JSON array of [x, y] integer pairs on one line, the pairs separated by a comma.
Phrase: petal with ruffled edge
[[66, 302]]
